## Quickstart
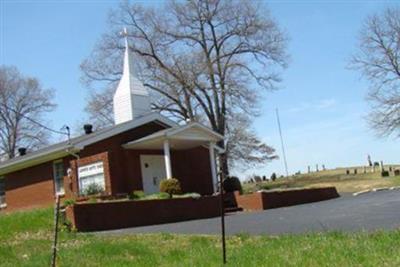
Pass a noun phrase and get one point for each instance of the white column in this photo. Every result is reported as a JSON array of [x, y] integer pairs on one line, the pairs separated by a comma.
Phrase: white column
[[213, 166], [167, 158]]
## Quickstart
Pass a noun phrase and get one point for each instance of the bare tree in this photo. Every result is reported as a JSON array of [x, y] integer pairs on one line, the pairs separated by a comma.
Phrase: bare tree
[[243, 146], [378, 59], [202, 59], [23, 101]]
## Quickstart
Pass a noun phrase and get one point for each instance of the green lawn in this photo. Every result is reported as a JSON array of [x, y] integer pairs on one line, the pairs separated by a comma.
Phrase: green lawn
[[25, 240]]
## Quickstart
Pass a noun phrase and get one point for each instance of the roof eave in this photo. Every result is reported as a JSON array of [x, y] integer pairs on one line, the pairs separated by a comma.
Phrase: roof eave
[[37, 159]]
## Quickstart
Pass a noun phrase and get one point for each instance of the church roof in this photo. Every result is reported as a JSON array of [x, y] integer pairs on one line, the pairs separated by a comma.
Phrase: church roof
[[76, 144]]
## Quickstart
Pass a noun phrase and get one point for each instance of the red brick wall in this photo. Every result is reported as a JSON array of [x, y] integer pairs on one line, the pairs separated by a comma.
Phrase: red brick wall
[[270, 200], [31, 187], [192, 168], [115, 215]]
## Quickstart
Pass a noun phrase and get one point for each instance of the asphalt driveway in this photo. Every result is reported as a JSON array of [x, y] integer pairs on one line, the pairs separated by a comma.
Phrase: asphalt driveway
[[367, 212]]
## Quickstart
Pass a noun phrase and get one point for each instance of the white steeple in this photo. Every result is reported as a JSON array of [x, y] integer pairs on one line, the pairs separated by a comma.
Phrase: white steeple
[[131, 99]]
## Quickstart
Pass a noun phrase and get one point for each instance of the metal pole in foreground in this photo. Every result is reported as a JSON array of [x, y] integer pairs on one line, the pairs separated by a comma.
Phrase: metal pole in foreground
[[221, 189], [56, 217]]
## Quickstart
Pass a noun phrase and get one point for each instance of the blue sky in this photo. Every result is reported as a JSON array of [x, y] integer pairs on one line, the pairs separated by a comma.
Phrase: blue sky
[[321, 102]]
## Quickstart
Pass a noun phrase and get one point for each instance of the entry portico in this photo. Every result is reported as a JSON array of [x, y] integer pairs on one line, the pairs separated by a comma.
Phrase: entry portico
[[184, 137]]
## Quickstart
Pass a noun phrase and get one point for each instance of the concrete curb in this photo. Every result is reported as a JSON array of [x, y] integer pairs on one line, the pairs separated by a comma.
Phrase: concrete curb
[[361, 192], [376, 190]]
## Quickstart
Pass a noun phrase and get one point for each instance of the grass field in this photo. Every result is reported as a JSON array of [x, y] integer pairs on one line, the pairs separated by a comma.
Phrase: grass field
[[344, 183], [25, 240]]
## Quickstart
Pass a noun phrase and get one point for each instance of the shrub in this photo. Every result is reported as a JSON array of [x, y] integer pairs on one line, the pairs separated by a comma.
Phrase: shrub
[[93, 189], [273, 177], [69, 202], [137, 194], [266, 187], [385, 174], [92, 200], [232, 184], [164, 195], [171, 186], [191, 195], [161, 195]]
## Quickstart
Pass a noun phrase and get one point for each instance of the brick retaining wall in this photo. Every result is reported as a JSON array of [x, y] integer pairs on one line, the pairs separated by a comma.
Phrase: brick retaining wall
[[276, 199], [122, 214]]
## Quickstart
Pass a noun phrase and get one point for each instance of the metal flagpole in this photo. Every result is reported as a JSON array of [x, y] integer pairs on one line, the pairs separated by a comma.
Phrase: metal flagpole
[[283, 147]]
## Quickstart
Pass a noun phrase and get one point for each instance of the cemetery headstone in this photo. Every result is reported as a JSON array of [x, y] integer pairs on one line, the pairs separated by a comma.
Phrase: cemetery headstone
[[369, 161]]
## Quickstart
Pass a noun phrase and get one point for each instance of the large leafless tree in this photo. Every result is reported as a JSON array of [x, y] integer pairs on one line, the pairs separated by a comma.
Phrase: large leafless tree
[[378, 58], [204, 60], [23, 102]]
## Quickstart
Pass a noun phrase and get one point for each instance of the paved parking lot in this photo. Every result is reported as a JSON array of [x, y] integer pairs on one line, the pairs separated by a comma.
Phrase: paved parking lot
[[371, 211]]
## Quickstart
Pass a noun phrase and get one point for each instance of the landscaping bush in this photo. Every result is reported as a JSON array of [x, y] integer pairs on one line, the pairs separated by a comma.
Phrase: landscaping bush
[[273, 177], [232, 184], [385, 174], [93, 189], [69, 202], [155, 196], [92, 200], [171, 186], [137, 194], [189, 195]]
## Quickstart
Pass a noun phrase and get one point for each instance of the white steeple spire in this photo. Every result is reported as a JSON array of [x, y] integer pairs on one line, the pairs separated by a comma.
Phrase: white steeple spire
[[131, 99]]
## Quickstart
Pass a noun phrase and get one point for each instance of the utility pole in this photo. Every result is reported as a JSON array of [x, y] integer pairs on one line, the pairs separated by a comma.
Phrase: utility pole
[[283, 147]]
